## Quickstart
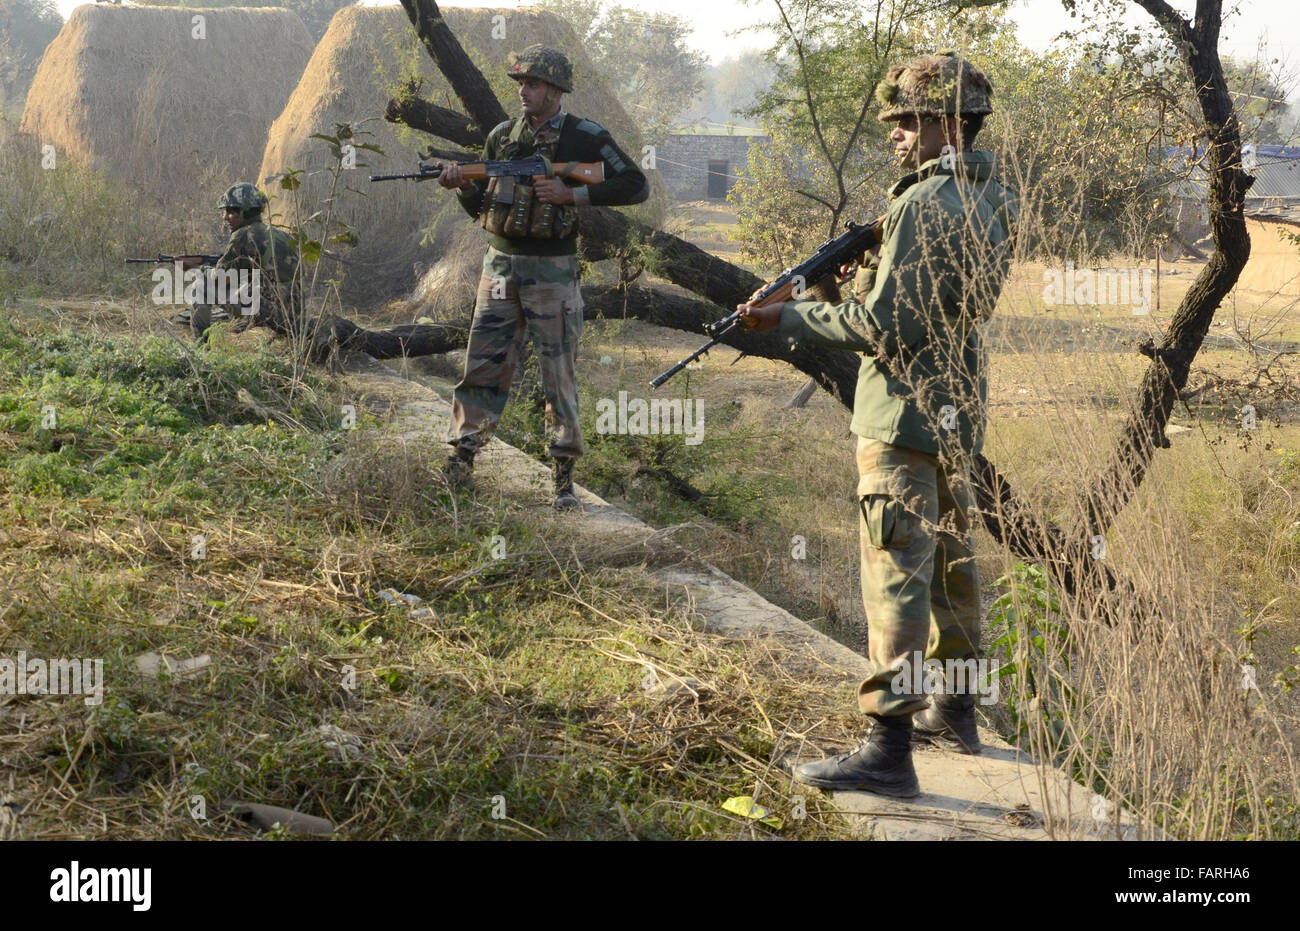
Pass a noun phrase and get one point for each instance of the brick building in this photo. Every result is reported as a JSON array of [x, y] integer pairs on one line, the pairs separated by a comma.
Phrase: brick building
[[699, 166]]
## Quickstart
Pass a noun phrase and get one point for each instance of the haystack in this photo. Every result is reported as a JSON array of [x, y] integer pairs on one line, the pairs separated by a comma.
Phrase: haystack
[[174, 110], [357, 67]]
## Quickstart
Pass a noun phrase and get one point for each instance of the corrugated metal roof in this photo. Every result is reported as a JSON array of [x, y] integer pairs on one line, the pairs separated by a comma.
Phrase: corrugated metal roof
[[1276, 172]]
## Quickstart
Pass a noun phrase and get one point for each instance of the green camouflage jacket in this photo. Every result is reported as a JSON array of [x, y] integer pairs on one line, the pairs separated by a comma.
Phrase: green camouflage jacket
[[915, 313], [257, 245]]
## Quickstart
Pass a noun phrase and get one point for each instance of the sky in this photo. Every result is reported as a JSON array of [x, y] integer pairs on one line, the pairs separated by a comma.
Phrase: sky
[[718, 23]]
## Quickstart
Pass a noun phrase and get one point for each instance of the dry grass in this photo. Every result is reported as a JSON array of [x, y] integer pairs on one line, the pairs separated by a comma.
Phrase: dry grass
[[1151, 712], [526, 680], [305, 525]]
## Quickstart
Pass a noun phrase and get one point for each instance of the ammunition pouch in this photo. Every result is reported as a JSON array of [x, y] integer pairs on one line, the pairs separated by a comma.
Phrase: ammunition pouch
[[510, 206], [511, 210]]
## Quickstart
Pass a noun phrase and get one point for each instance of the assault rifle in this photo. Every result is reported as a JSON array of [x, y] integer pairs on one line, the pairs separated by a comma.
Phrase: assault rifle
[[792, 284], [523, 169], [168, 259]]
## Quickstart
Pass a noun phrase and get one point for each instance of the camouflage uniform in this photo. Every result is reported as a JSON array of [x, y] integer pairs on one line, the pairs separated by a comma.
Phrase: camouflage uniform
[[529, 288], [522, 297], [919, 410], [255, 246]]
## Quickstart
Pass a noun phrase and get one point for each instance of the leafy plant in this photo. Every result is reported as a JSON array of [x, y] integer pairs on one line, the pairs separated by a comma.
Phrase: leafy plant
[[1034, 646]]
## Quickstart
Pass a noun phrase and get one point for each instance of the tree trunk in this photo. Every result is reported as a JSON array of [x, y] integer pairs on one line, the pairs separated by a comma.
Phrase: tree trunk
[[465, 79], [1111, 490], [416, 339], [837, 372], [802, 396]]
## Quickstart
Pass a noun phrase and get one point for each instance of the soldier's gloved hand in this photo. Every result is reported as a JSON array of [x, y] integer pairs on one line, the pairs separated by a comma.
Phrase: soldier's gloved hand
[[452, 176], [552, 191], [759, 319]]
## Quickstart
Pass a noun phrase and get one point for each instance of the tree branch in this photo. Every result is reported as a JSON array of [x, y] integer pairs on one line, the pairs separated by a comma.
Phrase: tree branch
[[433, 119], [825, 203], [466, 80], [812, 113], [451, 155], [1167, 375]]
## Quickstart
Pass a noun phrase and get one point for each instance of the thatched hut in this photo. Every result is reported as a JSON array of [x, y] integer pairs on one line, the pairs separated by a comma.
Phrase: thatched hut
[[175, 103], [402, 227]]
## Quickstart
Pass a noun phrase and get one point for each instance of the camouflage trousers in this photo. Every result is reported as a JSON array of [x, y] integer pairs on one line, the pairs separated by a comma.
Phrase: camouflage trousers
[[271, 313], [919, 582], [522, 297]]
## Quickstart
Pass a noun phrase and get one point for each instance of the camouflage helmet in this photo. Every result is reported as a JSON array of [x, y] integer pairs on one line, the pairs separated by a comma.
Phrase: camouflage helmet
[[933, 85], [544, 63], [244, 197]]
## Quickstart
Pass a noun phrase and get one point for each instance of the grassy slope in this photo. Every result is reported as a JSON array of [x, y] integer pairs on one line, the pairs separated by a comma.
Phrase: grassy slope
[[307, 523], [526, 684]]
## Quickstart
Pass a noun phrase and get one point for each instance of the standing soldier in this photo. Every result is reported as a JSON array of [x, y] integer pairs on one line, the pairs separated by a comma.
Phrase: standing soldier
[[530, 282], [919, 415], [261, 250]]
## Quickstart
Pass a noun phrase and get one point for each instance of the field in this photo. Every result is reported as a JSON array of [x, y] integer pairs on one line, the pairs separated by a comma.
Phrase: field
[[522, 685]]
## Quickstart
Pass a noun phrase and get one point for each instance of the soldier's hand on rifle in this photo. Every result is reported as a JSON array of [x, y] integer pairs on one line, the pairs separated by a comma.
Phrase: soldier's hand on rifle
[[452, 176], [552, 191], [759, 319], [878, 224]]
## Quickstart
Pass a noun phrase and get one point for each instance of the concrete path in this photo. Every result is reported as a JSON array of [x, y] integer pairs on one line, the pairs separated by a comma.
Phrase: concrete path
[[999, 795]]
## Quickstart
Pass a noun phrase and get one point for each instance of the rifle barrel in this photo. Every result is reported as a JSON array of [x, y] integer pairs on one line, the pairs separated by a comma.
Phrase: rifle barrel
[[719, 330], [412, 176], [827, 258], [162, 259]]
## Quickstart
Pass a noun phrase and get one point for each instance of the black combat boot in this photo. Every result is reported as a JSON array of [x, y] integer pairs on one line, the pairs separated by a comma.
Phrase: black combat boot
[[949, 722], [882, 764], [565, 499], [459, 469]]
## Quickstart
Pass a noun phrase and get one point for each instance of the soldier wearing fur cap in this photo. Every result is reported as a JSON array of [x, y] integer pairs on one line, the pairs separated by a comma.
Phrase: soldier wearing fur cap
[[919, 416]]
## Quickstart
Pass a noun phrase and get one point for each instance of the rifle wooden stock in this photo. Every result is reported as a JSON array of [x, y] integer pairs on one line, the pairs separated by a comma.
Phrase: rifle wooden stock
[[782, 293], [581, 172]]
